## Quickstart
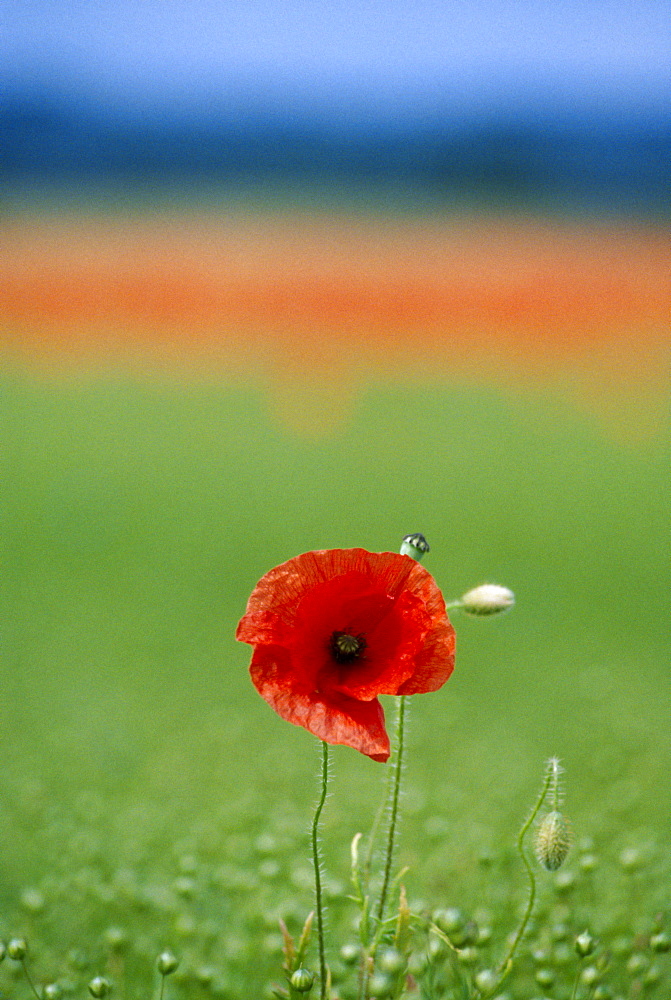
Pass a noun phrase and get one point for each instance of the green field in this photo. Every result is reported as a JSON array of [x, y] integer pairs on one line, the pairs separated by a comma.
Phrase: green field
[[147, 789]]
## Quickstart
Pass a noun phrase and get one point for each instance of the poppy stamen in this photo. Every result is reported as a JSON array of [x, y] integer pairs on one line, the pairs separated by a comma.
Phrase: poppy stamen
[[345, 647]]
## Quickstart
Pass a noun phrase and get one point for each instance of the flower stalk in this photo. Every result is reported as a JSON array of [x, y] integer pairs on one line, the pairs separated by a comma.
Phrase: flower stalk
[[317, 861], [394, 799], [551, 782]]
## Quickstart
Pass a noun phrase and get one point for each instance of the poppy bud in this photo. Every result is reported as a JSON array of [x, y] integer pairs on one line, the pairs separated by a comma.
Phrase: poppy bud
[[302, 980], [584, 944], [552, 841], [17, 949], [660, 942], [415, 546], [166, 963], [99, 987], [488, 599]]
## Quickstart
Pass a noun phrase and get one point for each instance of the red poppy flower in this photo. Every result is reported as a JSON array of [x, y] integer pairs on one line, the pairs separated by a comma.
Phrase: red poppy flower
[[332, 630]]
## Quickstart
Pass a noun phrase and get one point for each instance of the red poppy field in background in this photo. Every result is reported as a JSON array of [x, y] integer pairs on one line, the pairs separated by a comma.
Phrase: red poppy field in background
[[318, 303]]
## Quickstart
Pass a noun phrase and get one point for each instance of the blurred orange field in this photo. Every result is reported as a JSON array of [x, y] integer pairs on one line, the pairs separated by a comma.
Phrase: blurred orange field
[[342, 298]]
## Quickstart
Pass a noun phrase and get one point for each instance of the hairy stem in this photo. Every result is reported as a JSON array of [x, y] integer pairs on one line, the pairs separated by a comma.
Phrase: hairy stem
[[316, 859], [395, 792], [550, 776]]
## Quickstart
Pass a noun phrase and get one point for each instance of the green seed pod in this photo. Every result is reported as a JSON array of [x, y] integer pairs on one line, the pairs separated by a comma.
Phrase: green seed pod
[[552, 841], [349, 953], [302, 980], [590, 975], [166, 963], [545, 977], [652, 976], [585, 944], [99, 987], [392, 961], [52, 991], [450, 920], [637, 964], [415, 546], [660, 942], [116, 938], [486, 980], [468, 955], [32, 900], [564, 882], [380, 986], [17, 949]]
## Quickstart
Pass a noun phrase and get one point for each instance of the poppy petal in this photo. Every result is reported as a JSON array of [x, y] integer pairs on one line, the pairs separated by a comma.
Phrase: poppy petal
[[336, 720], [387, 603]]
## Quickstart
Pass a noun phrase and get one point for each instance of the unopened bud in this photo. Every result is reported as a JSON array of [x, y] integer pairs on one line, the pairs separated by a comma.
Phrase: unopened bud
[[488, 599], [552, 841], [99, 987], [660, 942], [166, 963], [17, 949], [415, 546], [302, 980], [584, 944]]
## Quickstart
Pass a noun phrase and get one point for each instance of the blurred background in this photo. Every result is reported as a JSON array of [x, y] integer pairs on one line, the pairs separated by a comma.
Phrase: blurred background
[[289, 276]]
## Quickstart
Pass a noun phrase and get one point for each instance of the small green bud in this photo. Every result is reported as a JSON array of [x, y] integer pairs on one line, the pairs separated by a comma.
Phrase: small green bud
[[185, 886], [486, 980], [166, 963], [590, 975], [564, 882], [660, 942], [630, 859], [449, 920], [652, 976], [602, 993], [302, 980], [588, 863], [52, 991], [545, 977], [392, 961], [116, 938], [552, 841], [205, 975], [99, 987], [585, 944], [487, 599], [380, 986], [349, 953], [468, 955], [17, 949], [637, 964], [415, 546], [32, 900]]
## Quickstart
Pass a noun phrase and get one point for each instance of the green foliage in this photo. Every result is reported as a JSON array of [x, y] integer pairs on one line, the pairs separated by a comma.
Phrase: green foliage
[[152, 802]]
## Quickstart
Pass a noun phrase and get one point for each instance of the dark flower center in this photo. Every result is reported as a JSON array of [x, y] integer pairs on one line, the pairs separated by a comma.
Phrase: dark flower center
[[345, 647]]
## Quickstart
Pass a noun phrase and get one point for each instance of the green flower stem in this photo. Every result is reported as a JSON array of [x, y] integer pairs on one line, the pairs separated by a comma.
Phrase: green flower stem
[[505, 964], [395, 792], [316, 858], [30, 981]]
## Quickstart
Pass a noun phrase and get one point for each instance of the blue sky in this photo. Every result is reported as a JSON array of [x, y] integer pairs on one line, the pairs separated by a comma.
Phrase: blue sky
[[416, 54]]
